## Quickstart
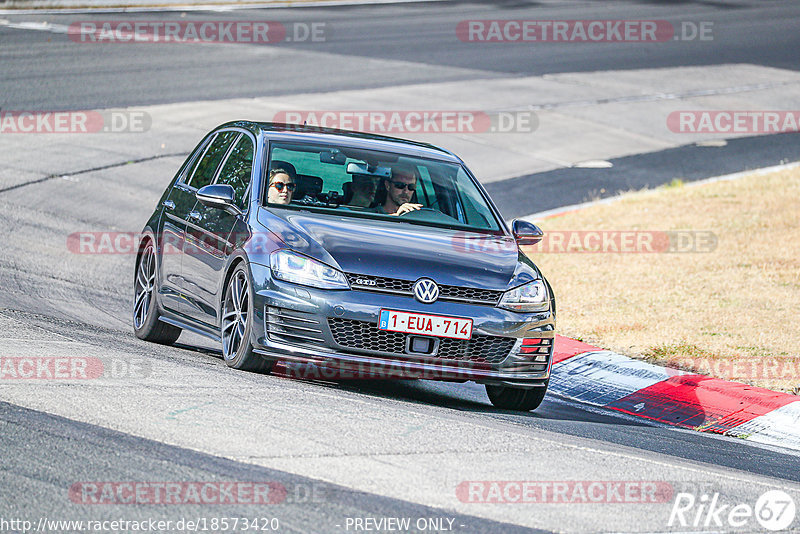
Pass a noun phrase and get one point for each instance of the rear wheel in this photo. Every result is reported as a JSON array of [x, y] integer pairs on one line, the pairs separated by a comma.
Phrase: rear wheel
[[145, 311], [510, 398], [237, 324]]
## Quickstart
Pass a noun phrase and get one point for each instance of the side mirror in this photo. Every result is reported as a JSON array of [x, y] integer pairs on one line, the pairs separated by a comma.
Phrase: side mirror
[[525, 233], [220, 196]]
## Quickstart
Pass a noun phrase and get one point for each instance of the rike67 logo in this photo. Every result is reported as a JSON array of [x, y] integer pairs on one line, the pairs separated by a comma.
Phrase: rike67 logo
[[774, 511]]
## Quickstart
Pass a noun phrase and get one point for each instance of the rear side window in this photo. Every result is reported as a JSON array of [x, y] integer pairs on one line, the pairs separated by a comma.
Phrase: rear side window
[[206, 168], [237, 170]]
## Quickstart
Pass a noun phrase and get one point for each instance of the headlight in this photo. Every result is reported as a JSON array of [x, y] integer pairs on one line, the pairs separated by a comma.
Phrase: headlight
[[293, 267], [530, 297]]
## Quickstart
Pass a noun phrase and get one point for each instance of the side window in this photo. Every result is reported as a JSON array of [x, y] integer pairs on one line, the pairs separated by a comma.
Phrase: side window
[[207, 166], [194, 158], [237, 170]]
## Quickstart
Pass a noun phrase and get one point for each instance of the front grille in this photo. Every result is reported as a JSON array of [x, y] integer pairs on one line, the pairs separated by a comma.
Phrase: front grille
[[469, 294], [404, 287], [479, 349], [290, 326], [366, 336], [379, 283], [363, 335]]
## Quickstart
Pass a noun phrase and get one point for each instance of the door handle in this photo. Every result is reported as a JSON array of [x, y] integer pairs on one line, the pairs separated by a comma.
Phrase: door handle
[[194, 215], [170, 205]]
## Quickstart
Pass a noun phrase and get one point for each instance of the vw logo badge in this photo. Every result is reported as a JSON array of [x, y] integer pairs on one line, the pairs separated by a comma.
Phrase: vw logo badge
[[426, 290]]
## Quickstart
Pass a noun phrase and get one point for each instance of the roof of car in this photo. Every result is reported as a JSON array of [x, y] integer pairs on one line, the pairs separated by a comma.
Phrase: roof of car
[[348, 138]]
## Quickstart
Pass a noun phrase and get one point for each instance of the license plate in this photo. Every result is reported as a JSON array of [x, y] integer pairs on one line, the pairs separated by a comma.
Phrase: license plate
[[425, 325]]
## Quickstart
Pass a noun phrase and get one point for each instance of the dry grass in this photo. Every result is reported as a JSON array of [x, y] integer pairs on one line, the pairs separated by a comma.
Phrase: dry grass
[[732, 313]]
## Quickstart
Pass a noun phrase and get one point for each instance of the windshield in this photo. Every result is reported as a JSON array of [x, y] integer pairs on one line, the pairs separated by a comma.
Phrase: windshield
[[373, 184]]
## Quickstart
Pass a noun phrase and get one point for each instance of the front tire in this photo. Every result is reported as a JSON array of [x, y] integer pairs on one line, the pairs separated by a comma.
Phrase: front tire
[[519, 399], [237, 324], [146, 325]]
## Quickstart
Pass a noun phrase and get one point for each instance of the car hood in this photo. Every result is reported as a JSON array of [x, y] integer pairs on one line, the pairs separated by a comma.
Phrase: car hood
[[404, 251]]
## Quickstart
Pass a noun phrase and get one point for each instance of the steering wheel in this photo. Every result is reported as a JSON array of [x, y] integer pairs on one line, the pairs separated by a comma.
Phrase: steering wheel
[[420, 209], [429, 215]]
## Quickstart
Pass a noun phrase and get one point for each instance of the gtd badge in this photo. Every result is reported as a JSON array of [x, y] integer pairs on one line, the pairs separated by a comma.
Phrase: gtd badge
[[426, 290], [365, 282]]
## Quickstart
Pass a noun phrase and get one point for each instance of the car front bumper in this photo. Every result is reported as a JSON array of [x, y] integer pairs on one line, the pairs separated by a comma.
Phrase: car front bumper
[[338, 329]]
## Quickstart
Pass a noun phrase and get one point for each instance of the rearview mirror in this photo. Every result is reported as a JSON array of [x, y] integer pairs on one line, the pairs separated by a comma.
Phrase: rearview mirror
[[220, 196], [525, 233], [332, 156], [370, 170]]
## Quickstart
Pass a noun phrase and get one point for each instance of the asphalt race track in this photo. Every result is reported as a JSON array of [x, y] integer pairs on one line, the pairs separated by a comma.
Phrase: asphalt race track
[[347, 456], [417, 39]]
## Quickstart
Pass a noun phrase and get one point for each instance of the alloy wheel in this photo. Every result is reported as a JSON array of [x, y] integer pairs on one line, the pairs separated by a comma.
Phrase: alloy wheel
[[145, 281], [235, 314]]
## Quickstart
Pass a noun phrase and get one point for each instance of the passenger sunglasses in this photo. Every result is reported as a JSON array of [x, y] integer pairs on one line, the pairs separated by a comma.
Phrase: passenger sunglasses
[[403, 185], [280, 185]]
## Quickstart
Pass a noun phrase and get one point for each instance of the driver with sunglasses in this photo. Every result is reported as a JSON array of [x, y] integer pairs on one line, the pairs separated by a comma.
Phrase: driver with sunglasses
[[399, 192], [281, 187]]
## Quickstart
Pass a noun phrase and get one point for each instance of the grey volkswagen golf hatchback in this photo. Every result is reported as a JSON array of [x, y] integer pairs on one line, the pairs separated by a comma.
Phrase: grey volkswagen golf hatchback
[[367, 254]]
